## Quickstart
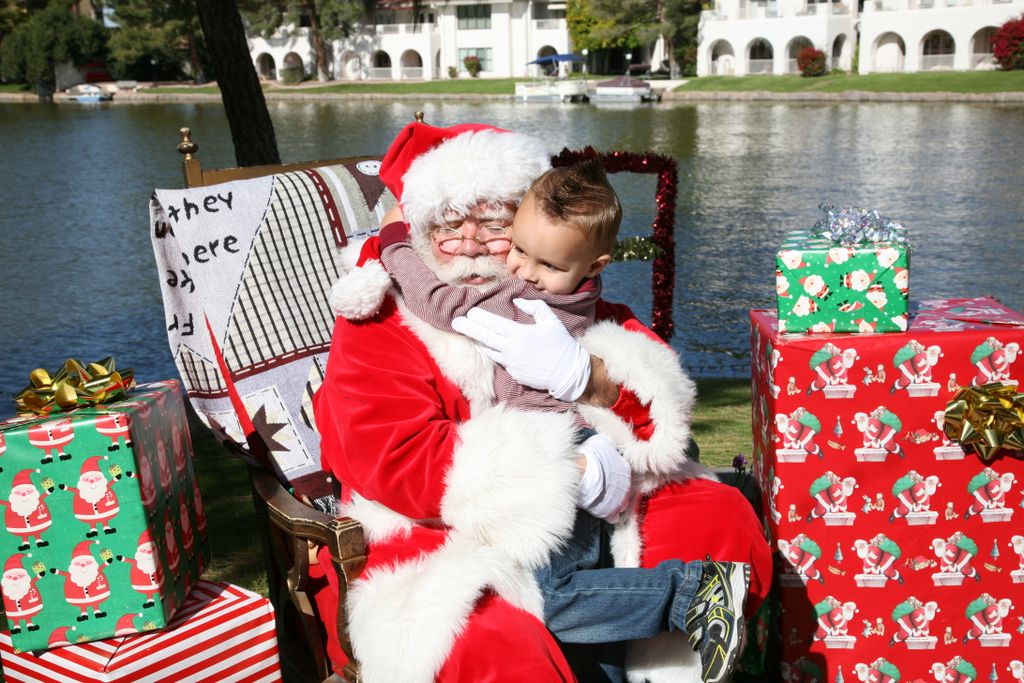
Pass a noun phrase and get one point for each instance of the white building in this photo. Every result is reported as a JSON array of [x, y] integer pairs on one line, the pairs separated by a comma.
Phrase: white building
[[740, 37], [504, 35]]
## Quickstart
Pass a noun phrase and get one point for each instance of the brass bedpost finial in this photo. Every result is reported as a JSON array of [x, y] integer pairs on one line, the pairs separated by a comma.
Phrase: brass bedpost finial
[[419, 117], [186, 146]]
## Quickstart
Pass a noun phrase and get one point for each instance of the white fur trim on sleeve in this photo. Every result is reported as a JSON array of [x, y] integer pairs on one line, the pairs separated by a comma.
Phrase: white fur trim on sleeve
[[512, 484], [358, 293], [665, 658], [652, 371]]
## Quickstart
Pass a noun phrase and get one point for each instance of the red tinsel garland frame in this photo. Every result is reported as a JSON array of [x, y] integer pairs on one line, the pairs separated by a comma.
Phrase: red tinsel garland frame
[[663, 228]]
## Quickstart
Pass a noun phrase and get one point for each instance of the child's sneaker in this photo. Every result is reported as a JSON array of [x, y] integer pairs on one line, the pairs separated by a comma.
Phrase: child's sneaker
[[714, 621]]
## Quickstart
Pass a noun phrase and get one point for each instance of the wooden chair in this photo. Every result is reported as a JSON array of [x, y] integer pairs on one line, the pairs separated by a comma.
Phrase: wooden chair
[[289, 506]]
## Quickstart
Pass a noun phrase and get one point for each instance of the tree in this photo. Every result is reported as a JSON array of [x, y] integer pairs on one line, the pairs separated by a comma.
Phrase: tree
[[603, 24], [252, 131], [327, 20], [52, 36], [13, 13], [1008, 44], [155, 38]]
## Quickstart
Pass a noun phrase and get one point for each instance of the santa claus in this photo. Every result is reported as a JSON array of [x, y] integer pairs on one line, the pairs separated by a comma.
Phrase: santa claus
[[115, 426], [178, 446], [60, 637], [163, 465], [171, 543], [197, 499], [22, 600], [85, 585], [27, 516], [50, 436], [188, 537], [126, 624], [95, 503], [146, 574]]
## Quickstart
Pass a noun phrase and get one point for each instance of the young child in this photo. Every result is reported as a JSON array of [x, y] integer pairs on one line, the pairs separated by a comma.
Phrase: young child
[[560, 240]]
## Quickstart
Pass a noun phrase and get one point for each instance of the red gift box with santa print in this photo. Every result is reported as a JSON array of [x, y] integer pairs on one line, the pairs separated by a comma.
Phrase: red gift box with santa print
[[102, 517], [900, 555], [221, 634]]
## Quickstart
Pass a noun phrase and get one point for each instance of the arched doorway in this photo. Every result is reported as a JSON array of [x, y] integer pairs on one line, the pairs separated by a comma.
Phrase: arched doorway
[[266, 67], [380, 68], [837, 49], [412, 65], [981, 49], [937, 50], [723, 60], [796, 46], [889, 53], [350, 66], [547, 69], [293, 70], [760, 57]]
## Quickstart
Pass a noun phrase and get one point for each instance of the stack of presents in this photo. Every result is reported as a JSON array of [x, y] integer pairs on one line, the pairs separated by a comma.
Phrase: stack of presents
[[888, 445], [106, 540]]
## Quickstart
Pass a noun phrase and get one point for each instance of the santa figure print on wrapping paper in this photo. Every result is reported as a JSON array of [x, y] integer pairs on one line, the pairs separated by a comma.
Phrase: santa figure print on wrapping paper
[[956, 670], [126, 624], [880, 430], [178, 447], [831, 366], [27, 515], [1017, 544], [913, 494], [146, 574], [117, 427], [187, 534], [993, 359], [914, 364], [913, 624], [95, 502], [801, 553], [955, 554], [834, 621], [831, 494], [85, 585], [60, 637], [163, 465], [879, 671], [797, 431], [52, 436], [171, 543], [988, 489], [986, 614], [878, 559], [22, 599]]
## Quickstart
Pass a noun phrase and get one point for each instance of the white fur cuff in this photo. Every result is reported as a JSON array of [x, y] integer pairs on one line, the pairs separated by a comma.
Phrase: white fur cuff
[[358, 293]]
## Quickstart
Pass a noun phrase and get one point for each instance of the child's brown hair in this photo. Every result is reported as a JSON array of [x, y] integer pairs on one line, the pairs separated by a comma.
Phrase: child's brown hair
[[581, 197]]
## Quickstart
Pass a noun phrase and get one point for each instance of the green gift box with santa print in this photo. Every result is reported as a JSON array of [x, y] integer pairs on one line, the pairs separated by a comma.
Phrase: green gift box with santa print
[[826, 286], [104, 526]]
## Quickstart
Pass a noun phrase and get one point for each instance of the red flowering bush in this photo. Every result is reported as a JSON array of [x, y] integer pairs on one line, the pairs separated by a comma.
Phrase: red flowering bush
[[1008, 44], [811, 62], [473, 65]]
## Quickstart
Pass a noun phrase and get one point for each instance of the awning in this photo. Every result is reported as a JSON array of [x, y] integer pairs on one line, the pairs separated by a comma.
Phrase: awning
[[551, 59]]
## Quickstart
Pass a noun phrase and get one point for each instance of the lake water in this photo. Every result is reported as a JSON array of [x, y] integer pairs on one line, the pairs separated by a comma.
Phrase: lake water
[[77, 276]]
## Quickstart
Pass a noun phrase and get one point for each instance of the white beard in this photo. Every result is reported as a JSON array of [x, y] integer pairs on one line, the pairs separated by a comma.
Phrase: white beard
[[25, 505], [460, 267], [16, 589], [92, 492], [84, 576], [145, 561]]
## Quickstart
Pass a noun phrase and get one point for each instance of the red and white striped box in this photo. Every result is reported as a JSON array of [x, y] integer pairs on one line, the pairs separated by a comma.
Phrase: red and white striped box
[[221, 634]]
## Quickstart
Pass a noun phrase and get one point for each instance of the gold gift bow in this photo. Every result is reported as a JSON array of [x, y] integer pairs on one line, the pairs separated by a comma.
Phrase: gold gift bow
[[74, 385], [986, 419]]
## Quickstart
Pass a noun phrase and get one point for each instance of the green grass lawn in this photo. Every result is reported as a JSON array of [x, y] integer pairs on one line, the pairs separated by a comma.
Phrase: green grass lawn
[[14, 87], [721, 428], [942, 81]]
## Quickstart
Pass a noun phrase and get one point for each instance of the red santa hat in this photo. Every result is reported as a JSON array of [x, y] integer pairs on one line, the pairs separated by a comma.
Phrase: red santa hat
[[83, 549], [15, 561], [431, 169], [125, 625], [92, 464], [145, 537], [60, 636], [22, 478]]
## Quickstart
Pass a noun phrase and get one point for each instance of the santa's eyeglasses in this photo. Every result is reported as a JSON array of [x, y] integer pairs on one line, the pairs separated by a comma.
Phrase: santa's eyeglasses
[[496, 240]]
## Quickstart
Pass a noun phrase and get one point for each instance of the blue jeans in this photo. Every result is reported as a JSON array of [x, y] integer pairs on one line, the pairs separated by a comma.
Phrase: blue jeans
[[588, 601]]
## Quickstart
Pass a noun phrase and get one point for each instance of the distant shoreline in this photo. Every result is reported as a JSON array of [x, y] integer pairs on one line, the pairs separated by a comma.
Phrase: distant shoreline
[[154, 95]]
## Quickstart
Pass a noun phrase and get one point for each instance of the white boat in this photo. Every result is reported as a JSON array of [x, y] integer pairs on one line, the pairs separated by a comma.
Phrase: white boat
[[626, 89], [552, 90], [88, 94]]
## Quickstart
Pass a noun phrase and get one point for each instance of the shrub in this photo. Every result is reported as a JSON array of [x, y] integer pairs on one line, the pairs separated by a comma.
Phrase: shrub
[[1008, 44], [812, 62], [292, 75], [472, 64], [453, 72]]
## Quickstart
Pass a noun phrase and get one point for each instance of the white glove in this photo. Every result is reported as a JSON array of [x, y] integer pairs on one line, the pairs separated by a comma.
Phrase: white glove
[[543, 356], [604, 488]]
